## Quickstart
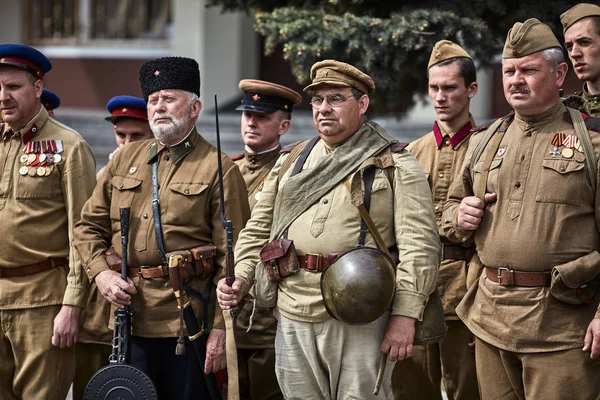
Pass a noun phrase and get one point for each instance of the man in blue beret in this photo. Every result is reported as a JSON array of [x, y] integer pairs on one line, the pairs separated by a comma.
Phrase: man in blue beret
[[50, 101], [129, 117], [48, 172]]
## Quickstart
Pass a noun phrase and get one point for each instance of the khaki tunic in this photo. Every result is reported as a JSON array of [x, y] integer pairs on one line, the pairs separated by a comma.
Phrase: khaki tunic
[[38, 214], [191, 216], [401, 210], [544, 204], [442, 166], [254, 168]]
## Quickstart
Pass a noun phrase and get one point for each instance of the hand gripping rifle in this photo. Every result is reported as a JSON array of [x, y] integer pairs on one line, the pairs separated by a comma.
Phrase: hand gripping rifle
[[120, 380], [233, 390]]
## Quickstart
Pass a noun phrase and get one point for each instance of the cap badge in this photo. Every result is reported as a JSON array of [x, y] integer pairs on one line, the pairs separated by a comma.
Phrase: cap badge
[[188, 144], [156, 73], [124, 110], [256, 97], [437, 54]]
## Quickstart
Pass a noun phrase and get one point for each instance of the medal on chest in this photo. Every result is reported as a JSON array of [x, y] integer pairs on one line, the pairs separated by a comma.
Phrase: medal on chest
[[40, 157]]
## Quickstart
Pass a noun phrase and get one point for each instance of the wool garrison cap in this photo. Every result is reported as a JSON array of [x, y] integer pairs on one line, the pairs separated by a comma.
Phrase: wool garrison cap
[[336, 73], [126, 107], [266, 97], [528, 37], [49, 100], [25, 57], [170, 73], [446, 50], [575, 13]]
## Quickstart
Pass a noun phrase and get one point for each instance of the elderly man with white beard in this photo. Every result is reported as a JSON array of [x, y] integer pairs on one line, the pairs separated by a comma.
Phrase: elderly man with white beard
[[181, 166]]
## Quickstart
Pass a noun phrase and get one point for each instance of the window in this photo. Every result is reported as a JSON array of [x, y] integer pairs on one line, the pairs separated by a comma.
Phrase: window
[[117, 23]]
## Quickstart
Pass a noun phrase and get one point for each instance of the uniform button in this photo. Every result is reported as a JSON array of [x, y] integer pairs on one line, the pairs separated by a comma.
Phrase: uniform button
[[121, 186], [529, 134], [518, 185], [447, 141], [522, 158], [441, 174], [436, 208], [186, 191], [325, 201], [145, 215], [562, 169], [251, 171]]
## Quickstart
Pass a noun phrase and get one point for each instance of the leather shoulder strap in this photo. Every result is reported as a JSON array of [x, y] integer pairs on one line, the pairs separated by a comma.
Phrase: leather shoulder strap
[[586, 142]]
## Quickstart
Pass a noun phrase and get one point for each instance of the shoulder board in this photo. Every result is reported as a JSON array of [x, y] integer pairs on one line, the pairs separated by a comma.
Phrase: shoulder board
[[289, 147], [479, 128], [591, 123], [237, 157], [398, 147]]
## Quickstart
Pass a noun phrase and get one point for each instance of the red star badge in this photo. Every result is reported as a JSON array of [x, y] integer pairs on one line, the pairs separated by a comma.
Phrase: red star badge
[[256, 97], [124, 110], [156, 73]]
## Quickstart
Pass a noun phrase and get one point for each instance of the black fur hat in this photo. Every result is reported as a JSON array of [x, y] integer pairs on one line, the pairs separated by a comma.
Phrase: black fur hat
[[170, 73]]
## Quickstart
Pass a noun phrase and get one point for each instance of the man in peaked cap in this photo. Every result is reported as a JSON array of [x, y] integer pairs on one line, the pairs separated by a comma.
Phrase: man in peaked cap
[[581, 27], [184, 219], [129, 117], [50, 101], [47, 172], [266, 114], [452, 85], [527, 191], [318, 356]]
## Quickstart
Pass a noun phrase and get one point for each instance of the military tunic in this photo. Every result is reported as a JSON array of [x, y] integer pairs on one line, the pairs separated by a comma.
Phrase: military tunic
[[191, 217], [545, 201], [441, 154], [584, 102], [38, 214]]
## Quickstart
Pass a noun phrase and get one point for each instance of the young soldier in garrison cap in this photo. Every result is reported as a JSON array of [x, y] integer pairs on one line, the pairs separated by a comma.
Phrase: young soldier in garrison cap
[[50, 101], [312, 197], [47, 173], [452, 85], [266, 114], [581, 27], [527, 192], [129, 117], [184, 219]]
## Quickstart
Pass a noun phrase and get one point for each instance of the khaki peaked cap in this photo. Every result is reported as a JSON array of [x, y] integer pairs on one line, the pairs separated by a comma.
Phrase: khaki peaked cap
[[446, 50], [336, 73], [575, 13], [528, 37]]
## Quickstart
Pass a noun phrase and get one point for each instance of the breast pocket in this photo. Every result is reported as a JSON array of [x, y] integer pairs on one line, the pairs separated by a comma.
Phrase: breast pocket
[[560, 182], [186, 200], [39, 187], [124, 190]]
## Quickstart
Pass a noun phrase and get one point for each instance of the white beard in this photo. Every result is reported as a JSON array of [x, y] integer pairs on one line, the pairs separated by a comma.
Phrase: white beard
[[168, 133]]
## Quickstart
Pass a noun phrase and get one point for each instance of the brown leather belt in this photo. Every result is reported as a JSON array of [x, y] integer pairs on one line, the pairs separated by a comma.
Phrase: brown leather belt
[[148, 272], [313, 262], [510, 277], [457, 252], [33, 268]]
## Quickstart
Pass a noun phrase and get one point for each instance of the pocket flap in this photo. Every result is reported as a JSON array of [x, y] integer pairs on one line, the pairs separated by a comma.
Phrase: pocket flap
[[124, 183], [562, 166], [495, 163], [275, 249], [188, 189]]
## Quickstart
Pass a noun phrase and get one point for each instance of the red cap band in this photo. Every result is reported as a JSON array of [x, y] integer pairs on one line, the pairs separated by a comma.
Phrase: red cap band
[[129, 112], [24, 62]]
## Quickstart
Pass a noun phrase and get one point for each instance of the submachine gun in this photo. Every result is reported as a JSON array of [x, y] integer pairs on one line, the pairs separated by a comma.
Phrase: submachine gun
[[119, 380]]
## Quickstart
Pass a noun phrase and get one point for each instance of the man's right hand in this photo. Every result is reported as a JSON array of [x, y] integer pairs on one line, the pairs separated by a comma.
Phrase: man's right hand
[[470, 211], [230, 296], [114, 288]]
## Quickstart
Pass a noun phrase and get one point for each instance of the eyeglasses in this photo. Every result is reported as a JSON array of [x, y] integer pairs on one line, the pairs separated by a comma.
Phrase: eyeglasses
[[334, 100]]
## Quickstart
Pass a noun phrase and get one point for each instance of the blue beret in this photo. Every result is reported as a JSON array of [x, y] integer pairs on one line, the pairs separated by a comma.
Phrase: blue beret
[[126, 107], [25, 57], [50, 100]]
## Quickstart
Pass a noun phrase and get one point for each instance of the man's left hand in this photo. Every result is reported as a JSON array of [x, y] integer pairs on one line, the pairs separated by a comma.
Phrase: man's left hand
[[216, 359], [399, 337], [66, 327], [592, 339]]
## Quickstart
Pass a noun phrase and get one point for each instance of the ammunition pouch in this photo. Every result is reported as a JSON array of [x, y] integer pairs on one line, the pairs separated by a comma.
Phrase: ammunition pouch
[[280, 259], [577, 281]]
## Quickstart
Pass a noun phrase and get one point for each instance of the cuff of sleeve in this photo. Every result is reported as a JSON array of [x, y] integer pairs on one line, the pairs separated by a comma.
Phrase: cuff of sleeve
[[463, 236], [75, 296], [218, 321], [409, 304], [95, 267], [246, 273]]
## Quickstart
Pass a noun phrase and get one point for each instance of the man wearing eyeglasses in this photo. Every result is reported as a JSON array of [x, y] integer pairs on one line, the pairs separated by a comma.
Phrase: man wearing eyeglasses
[[318, 356]]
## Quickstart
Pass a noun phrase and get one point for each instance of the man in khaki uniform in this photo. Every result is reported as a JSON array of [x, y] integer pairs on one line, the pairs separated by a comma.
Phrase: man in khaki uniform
[[581, 27], [317, 356], [266, 114], [526, 195], [50, 101], [452, 84], [47, 174], [129, 117], [189, 213]]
